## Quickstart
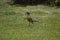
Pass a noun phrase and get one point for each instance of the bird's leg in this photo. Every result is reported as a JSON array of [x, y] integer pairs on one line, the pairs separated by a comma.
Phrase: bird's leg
[[29, 23]]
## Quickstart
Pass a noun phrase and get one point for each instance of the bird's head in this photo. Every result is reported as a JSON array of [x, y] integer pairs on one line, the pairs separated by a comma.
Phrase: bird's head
[[27, 13]]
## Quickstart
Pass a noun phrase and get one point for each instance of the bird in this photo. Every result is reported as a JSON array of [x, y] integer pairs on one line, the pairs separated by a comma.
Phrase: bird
[[30, 19]]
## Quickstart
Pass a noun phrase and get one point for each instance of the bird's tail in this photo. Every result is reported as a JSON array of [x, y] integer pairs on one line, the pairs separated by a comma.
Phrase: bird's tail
[[34, 21]]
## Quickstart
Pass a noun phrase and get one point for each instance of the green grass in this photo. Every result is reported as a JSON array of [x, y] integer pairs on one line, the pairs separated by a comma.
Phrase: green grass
[[13, 24]]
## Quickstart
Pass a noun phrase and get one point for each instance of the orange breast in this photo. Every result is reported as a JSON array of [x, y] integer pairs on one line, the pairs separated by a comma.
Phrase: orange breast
[[29, 18]]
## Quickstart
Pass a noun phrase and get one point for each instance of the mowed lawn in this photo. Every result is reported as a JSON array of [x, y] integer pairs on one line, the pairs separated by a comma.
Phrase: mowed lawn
[[14, 26]]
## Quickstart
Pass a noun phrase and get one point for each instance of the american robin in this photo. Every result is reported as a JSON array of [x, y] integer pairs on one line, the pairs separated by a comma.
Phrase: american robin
[[29, 18]]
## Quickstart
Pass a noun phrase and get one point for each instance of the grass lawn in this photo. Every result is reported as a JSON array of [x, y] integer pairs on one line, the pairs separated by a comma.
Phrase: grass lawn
[[13, 24]]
